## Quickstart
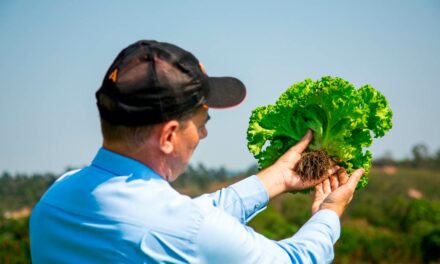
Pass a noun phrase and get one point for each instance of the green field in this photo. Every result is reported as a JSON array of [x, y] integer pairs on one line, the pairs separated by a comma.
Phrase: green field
[[395, 219], [384, 223]]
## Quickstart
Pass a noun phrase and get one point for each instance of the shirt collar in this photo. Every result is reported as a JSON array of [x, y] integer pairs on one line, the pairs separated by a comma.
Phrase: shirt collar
[[118, 164]]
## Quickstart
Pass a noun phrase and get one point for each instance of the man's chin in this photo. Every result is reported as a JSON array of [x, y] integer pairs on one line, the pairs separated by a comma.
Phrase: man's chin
[[177, 174]]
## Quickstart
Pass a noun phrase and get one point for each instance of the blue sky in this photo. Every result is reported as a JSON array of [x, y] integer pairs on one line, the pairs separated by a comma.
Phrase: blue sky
[[54, 55]]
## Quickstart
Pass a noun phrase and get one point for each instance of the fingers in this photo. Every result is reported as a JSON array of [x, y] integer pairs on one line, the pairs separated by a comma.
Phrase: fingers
[[334, 183], [318, 188], [354, 178], [326, 186], [342, 176], [333, 170]]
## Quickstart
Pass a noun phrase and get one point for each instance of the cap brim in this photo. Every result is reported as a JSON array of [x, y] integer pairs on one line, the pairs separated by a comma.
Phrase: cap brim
[[225, 92]]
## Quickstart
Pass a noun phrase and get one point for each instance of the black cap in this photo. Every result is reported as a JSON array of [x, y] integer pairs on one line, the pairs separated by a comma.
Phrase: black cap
[[151, 82]]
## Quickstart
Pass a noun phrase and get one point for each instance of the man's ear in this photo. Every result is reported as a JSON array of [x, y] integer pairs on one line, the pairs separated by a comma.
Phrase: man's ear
[[168, 136]]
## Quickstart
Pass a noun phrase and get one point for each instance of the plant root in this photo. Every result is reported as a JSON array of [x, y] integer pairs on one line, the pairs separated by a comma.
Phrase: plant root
[[314, 165]]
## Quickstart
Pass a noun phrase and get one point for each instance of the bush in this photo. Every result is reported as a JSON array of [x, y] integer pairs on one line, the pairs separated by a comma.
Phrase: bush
[[273, 225], [14, 241], [430, 246]]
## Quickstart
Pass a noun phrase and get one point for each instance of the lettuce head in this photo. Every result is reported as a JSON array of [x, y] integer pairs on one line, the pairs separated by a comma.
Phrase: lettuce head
[[344, 121]]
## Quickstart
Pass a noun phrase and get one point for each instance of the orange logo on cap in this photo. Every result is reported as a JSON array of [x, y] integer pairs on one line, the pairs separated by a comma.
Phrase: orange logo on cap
[[202, 67], [114, 75]]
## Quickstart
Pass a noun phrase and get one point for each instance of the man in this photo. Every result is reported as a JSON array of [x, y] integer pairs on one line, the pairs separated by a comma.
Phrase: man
[[153, 105]]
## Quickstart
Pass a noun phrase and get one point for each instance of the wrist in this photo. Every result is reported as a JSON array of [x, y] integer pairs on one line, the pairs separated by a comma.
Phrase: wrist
[[334, 208], [272, 181]]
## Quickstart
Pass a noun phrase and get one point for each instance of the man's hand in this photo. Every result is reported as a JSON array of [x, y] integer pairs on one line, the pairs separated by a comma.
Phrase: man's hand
[[336, 192], [281, 177]]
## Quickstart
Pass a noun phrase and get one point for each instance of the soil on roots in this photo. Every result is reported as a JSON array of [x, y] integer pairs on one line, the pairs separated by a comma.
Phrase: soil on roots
[[314, 165]]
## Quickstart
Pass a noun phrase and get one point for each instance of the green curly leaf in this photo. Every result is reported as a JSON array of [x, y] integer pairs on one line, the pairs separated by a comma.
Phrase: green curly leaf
[[343, 119]]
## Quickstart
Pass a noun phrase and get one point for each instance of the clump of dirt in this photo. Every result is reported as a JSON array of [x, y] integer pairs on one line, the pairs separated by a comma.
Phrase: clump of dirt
[[314, 165]]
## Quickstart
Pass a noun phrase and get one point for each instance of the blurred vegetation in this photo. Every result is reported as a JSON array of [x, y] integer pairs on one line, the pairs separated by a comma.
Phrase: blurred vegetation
[[395, 219], [14, 240]]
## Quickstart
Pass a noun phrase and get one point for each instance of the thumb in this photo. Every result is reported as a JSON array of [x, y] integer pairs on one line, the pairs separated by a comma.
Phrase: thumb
[[294, 153], [354, 178], [304, 142]]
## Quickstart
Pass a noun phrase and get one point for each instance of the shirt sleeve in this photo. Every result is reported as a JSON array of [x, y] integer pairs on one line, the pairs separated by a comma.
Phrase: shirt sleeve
[[242, 200], [222, 239]]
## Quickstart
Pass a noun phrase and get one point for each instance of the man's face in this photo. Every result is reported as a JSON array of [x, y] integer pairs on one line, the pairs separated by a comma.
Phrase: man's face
[[187, 139]]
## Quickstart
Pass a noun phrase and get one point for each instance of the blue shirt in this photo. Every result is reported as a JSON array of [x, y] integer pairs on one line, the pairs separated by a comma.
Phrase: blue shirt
[[118, 210]]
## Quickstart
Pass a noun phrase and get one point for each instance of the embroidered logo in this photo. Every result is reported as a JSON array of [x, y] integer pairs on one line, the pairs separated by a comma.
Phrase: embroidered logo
[[114, 75]]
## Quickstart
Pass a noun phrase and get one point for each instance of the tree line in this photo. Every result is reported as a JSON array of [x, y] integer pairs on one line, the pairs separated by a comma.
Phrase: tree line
[[420, 158]]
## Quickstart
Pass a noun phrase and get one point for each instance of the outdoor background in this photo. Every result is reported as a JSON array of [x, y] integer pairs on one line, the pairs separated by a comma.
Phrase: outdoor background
[[54, 55]]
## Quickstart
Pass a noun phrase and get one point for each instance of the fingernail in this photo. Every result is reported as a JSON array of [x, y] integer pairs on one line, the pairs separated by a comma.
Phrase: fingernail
[[333, 170]]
